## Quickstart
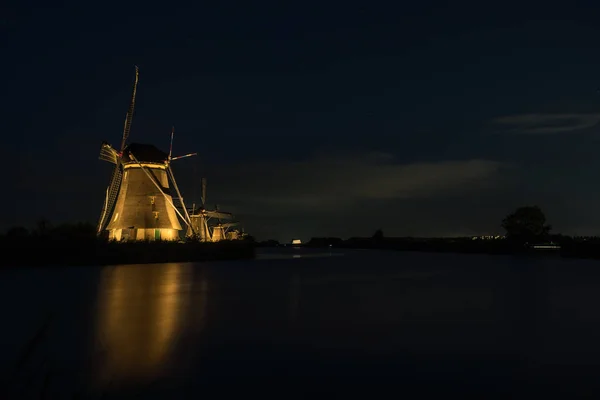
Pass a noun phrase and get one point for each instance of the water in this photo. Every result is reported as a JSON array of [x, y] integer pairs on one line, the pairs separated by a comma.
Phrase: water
[[302, 323]]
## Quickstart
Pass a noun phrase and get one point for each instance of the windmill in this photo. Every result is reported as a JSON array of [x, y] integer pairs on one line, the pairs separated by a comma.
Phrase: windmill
[[138, 204], [199, 219], [208, 225]]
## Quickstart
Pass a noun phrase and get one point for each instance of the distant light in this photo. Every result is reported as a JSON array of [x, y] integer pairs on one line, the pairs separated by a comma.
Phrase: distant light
[[296, 241]]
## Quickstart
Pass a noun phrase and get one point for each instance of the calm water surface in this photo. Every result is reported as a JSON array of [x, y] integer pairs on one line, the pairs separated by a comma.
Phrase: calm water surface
[[304, 324]]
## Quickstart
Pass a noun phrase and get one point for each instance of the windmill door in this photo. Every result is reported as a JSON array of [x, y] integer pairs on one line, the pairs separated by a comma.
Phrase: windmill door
[[157, 234]]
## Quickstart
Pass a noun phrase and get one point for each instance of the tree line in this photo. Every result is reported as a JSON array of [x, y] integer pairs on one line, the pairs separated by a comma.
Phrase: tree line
[[525, 224], [45, 230]]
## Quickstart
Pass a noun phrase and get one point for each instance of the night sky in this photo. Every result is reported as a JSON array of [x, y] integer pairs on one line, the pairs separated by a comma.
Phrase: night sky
[[340, 118]]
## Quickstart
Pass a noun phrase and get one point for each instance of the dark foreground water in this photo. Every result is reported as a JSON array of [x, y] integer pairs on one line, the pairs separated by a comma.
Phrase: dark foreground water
[[304, 325]]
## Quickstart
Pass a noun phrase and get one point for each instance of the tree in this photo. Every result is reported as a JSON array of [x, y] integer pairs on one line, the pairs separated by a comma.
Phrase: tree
[[17, 232], [43, 227], [74, 232], [378, 235], [526, 223]]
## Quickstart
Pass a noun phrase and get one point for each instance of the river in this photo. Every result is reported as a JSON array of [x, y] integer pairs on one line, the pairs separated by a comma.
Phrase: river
[[297, 323]]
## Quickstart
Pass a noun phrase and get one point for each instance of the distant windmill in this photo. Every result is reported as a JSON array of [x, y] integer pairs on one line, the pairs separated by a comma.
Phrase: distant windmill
[[138, 204], [207, 224]]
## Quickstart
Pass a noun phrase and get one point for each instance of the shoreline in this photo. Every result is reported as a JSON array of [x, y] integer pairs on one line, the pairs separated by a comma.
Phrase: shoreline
[[50, 253], [60, 254], [563, 249]]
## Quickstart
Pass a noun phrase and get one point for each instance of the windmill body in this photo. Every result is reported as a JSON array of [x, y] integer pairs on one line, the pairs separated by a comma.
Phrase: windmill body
[[199, 225]]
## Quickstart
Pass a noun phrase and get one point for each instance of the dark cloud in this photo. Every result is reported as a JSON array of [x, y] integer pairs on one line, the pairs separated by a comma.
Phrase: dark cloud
[[321, 194], [328, 180], [548, 123]]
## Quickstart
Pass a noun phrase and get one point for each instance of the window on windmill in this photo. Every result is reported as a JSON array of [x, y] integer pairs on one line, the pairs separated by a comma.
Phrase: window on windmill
[[116, 216], [152, 199], [155, 214]]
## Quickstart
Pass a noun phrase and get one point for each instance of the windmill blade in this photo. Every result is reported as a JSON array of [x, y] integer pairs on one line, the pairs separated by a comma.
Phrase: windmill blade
[[185, 211], [171, 158], [108, 153], [184, 156], [229, 224], [219, 215], [203, 191], [129, 116], [171, 146], [111, 197]]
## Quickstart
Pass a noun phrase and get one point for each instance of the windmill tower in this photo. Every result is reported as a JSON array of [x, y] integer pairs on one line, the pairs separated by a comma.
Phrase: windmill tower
[[218, 230], [199, 219], [139, 204], [207, 225]]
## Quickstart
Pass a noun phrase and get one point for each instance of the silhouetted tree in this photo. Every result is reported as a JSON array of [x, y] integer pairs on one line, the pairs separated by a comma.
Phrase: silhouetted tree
[[17, 232], [378, 235], [42, 227], [526, 223], [79, 231]]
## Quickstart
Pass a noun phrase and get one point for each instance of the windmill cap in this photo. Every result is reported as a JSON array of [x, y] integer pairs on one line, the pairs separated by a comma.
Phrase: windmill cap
[[144, 153]]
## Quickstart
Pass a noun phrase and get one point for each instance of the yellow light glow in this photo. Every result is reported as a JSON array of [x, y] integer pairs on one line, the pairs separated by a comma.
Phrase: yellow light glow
[[145, 165], [141, 308]]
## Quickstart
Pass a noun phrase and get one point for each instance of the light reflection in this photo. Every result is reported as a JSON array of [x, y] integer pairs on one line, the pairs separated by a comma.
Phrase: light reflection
[[139, 316]]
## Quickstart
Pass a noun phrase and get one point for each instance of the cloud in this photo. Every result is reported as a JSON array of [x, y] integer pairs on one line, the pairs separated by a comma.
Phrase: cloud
[[336, 182], [353, 194], [548, 123]]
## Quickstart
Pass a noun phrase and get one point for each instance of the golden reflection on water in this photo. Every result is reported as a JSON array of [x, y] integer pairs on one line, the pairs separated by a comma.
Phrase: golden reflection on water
[[141, 310]]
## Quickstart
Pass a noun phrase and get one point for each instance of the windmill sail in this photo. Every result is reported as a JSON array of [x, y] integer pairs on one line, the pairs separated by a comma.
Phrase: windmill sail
[[203, 191], [129, 116], [108, 153], [111, 197]]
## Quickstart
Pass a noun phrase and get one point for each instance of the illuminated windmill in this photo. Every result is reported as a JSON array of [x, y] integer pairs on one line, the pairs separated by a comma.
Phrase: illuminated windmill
[[139, 204], [207, 225]]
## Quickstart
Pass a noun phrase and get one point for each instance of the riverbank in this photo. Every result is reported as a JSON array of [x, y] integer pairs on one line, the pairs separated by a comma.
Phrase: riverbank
[[87, 253], [565, 247]]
